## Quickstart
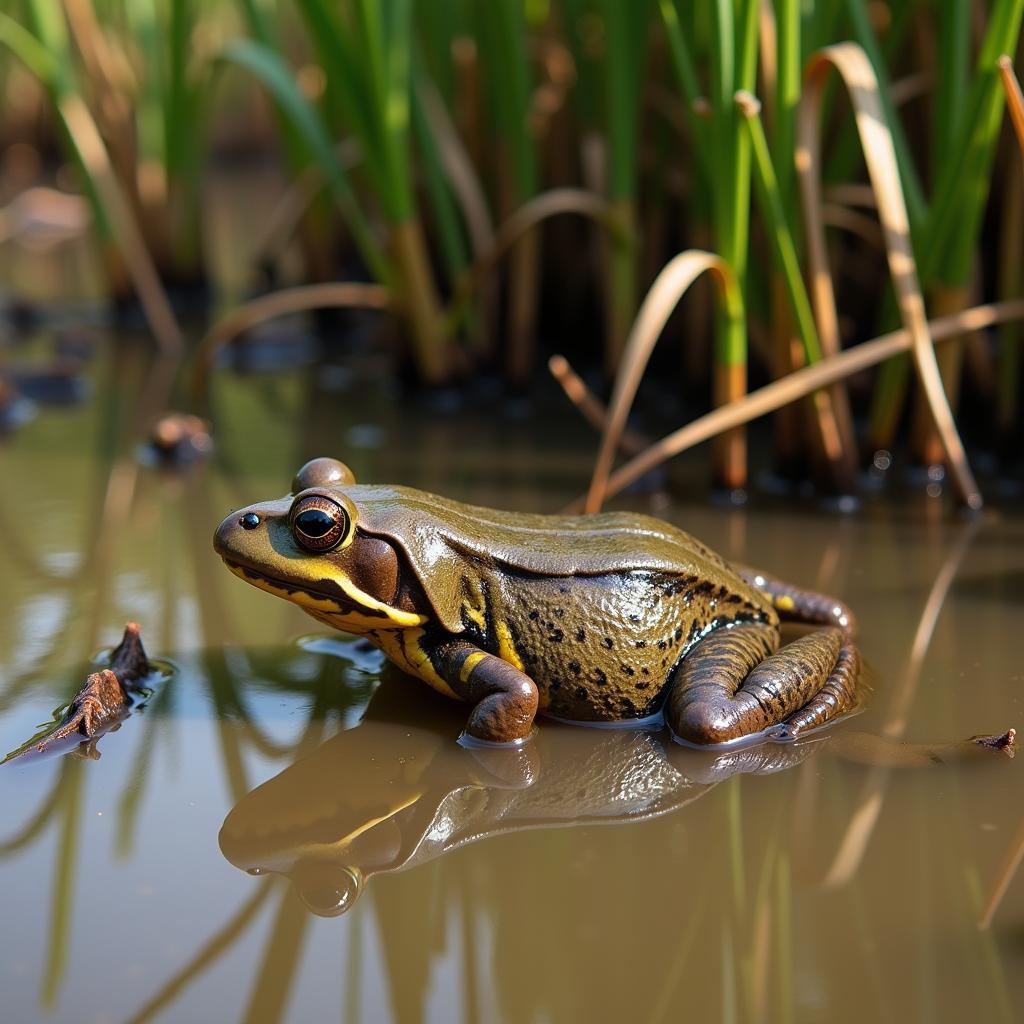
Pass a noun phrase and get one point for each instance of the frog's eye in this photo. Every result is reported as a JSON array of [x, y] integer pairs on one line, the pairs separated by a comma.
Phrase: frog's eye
[[319, 523]]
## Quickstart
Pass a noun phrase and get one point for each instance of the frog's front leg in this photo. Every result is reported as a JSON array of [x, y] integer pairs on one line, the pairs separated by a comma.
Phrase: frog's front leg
[[505, 698], [734, 684]]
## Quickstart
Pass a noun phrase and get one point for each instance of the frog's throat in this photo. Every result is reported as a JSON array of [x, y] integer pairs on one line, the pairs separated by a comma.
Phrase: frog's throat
[[351, 609]]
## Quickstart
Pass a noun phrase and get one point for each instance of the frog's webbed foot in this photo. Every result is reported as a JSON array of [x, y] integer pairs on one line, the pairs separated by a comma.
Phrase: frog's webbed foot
[[733, 684], [505, 699]]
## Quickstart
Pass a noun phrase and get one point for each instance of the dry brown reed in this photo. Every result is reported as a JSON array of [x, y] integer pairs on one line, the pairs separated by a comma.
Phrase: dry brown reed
[[342, 295], [800, 383], [857, 75], [665, 294]]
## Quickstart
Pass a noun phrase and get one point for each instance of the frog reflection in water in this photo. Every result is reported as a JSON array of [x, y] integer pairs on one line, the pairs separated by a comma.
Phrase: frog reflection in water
[[394, 793], [612, 618]]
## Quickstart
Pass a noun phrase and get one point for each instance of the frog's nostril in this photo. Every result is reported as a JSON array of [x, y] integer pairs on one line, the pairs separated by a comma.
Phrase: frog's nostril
[[249, 521]]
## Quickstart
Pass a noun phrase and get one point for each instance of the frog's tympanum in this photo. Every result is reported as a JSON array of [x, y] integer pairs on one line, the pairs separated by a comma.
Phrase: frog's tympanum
[[614, 617]]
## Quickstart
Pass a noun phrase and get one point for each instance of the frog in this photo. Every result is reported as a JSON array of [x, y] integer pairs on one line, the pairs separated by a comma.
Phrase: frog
[[612, 618]]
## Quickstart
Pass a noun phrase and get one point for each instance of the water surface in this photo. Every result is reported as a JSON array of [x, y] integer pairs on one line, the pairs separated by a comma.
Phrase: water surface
[[288, 832]]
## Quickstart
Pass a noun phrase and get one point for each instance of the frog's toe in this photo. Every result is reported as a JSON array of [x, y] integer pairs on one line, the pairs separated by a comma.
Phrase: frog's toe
[[707, 725], [505, 717]]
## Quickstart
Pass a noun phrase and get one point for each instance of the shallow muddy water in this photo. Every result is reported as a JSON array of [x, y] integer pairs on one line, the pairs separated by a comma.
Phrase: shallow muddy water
[[285, 831]]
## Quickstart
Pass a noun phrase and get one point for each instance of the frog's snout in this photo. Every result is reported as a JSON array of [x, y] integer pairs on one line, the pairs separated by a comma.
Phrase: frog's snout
[[226, 533], [237, 531]]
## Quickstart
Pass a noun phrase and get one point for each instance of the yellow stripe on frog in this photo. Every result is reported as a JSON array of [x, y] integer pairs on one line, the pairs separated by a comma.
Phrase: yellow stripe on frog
[[506, 648], [403, 648], [396, 618], [471, 663]]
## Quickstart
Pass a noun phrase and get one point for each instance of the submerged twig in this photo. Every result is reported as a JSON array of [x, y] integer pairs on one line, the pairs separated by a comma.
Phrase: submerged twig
[[591, 408], [104, 698]]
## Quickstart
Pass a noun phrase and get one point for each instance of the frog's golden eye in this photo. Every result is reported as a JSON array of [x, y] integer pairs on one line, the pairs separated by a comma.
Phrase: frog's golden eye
[[319, 523]]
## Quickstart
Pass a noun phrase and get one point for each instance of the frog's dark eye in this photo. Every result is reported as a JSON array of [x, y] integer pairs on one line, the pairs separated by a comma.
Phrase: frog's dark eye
[[318, 523]]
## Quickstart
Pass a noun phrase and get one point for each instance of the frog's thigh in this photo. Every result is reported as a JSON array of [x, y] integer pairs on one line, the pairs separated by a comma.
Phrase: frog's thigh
[[505, 699], [732, 684]]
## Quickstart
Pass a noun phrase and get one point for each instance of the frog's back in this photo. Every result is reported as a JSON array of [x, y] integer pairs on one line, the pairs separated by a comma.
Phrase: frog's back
[[429, 527], [597, 610]]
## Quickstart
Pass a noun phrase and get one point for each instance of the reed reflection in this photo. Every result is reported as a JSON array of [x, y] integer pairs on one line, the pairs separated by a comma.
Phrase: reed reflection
[[487, 867]]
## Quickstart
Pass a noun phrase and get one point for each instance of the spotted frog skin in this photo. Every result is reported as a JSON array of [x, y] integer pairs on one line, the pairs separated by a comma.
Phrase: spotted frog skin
[[605, 618]]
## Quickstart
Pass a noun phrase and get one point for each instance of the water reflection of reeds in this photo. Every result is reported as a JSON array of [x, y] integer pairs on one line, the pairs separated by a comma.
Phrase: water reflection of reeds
[[737, 911]]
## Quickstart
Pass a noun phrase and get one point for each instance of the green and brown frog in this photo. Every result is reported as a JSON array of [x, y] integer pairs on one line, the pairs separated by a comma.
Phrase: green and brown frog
[[609, 618]]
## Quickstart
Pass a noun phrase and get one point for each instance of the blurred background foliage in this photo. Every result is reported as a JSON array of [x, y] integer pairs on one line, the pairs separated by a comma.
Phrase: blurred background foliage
[[508, 177]]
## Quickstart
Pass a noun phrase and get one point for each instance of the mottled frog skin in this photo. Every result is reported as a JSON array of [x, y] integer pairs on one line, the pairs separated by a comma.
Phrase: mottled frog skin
[[602, 618]]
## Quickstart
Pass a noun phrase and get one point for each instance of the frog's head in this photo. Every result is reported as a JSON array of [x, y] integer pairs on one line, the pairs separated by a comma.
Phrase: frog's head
[[308, 548]]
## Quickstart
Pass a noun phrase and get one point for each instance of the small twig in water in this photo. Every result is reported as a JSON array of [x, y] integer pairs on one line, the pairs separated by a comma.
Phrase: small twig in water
[[104, 698]]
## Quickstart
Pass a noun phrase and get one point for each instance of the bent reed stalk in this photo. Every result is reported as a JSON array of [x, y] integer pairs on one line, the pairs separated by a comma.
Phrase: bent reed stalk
[[467, 115], [795, 386], [665, 294], [344, 295], [876, 138]]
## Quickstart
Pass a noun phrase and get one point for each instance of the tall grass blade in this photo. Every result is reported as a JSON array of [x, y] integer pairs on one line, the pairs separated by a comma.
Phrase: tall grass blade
[[272, 73], [876, 139], [799, 384], [48, 58], [833, 419], [665, 294]]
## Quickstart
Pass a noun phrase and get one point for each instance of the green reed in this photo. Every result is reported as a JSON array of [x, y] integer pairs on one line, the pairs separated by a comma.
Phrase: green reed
[[947, 226], [44, 48], [365, 51], [625, 27], [387, 73]]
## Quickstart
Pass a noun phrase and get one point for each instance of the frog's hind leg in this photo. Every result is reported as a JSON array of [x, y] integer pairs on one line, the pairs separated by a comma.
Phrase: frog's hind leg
[[735, 683], [795, 604]]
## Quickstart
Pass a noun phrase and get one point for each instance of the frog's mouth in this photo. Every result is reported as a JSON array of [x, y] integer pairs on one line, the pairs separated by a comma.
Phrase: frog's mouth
[[338, 600]]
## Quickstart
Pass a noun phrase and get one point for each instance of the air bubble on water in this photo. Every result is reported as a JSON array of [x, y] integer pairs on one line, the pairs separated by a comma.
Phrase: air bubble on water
[[882, 460]]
